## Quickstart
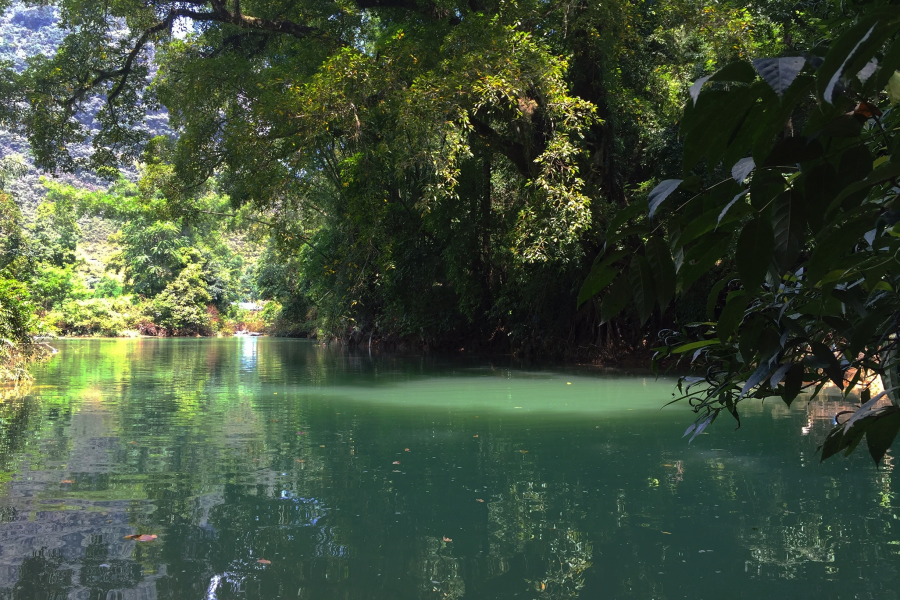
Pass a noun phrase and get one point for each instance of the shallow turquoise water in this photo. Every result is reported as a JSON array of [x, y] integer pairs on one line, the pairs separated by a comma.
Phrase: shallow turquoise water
[[389, 477]]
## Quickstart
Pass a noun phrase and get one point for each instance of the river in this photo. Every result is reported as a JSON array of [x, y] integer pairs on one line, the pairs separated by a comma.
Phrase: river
[[271, 468]]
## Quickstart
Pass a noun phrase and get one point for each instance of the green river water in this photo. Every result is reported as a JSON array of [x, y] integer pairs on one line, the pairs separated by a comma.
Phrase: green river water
[[353, 476]]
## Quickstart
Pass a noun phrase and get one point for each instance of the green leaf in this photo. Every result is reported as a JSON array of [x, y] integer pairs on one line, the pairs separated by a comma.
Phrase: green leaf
[[642, 287], [615, 300], [832, 366], [885, 172], [754, 252], [889, 63], [834, 243], [595, 283], [740, 71], [793, 383], [696, 86], [893, 88], [758, 376], [663, 267], [779, 73], [881, 433], [729, 205], [742, 169], [788, 224], [832, 444], [600, 276], [694, 346], [713, 299], [661, 192], [699, 259], [623, 216], [840, 53], [731, 316]]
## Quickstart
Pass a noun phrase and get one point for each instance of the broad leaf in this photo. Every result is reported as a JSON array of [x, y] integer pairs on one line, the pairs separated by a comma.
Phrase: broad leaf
[[758, 376], [660, 258], [596, 282], [737, 71], [729, 205], [834, 70], [893, 88], [779, 73], [788, 224], [881, 433], [742, 169], [731, 316], [661, 192], [616, 299], [696, 86], [642, 288], [754, 252], [868, 70]]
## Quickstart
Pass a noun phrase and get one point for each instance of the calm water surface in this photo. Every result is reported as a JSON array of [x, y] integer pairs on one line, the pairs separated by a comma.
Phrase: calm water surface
[[281, 469]]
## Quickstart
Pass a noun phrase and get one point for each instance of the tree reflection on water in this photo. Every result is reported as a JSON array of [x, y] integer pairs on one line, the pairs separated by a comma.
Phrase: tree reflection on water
[[274, 479]]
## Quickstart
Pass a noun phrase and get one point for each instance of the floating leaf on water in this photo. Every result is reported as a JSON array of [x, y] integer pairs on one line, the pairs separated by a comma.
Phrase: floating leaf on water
[[568, 383], [263, 561], [446, 539], [524, 451], [396, 462], [141, 537], [479, 500], [406, 449], [67, 481], [322, 446]]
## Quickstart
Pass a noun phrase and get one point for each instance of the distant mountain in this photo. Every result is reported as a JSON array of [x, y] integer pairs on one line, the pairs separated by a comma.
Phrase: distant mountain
[[26, 31]]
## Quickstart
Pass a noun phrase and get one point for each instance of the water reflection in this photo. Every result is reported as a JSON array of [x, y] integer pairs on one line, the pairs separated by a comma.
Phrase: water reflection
[[274, 468]]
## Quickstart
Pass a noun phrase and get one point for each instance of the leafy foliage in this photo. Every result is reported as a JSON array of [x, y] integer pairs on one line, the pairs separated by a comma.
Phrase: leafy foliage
[[802, 235]]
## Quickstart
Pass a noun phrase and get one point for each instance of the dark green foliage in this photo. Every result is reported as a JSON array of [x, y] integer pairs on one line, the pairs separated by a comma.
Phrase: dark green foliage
[[814, 252]]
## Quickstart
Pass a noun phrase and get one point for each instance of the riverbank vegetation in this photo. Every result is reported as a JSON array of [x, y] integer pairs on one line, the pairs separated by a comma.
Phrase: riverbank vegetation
[[569, 179]]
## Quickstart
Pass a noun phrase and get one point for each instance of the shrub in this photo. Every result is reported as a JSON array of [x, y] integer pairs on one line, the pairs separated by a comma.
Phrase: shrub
[[181, 307]]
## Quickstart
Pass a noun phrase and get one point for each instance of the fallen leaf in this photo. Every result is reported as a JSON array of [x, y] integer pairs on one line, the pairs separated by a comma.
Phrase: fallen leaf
[[141, 538], [299, 460], [543, 586], [396, 462], [67, 481], [524, 451], [263, 561], [395, 471], [476, 435], [446, 539], [568, 383], [479, 500], [322, 446], [406, 449], [667, 533]]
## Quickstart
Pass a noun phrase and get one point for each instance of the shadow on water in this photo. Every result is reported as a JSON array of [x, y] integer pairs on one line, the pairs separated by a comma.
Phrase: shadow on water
[[281, 468]]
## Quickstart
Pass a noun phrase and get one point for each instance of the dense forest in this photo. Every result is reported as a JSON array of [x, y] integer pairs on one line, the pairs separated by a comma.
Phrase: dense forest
[[709, 181]]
